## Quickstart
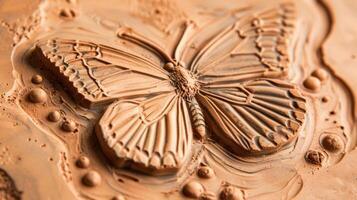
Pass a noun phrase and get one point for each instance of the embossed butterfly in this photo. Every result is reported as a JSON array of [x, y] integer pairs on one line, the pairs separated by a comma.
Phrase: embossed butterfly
[[222, 77]]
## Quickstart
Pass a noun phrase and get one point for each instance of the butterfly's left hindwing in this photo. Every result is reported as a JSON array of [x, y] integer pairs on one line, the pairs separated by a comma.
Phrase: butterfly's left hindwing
[[153, 136]]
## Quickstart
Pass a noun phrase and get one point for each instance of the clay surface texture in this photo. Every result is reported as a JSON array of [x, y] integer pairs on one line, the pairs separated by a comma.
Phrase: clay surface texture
[[191, 99]]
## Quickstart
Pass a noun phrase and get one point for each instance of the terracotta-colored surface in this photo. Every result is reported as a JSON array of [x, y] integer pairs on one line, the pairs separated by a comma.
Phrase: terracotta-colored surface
[[161, 99]]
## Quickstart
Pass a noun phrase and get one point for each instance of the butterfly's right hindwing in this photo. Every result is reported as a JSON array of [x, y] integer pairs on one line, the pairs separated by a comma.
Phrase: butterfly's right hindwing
[[258, 117]]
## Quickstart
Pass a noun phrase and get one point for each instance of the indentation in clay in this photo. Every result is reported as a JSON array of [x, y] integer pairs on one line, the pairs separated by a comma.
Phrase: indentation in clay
[[67, 13], [315, 157]]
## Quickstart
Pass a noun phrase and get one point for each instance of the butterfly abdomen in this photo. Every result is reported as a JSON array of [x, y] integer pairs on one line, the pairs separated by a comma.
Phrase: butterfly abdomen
[[198, 121]]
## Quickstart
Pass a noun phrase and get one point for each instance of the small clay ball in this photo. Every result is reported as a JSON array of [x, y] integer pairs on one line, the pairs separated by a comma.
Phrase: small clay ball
[[332, 143], [36, 79], [54, 116], [69, 126], [193, 189], [231, 193], [321, 74], [37, 95], [314, 157], [312, 83], [118, 197], [83, 162], [205, 172], [92, 179]]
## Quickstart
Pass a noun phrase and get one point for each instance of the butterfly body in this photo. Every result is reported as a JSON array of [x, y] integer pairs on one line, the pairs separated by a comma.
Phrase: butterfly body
[[229, 85], [198, 120], [187, 86], [185, 81]]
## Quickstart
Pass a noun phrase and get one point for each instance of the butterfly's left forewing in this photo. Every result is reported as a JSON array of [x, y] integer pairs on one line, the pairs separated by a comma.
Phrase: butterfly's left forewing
[[97, 73]]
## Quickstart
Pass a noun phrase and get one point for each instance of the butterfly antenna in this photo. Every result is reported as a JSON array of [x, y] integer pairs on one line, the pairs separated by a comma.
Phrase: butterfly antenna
[[182, 41], [129, 34]]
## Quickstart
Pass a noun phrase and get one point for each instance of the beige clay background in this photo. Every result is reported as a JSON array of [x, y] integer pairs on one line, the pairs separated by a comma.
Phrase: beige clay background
[[41, 168]]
